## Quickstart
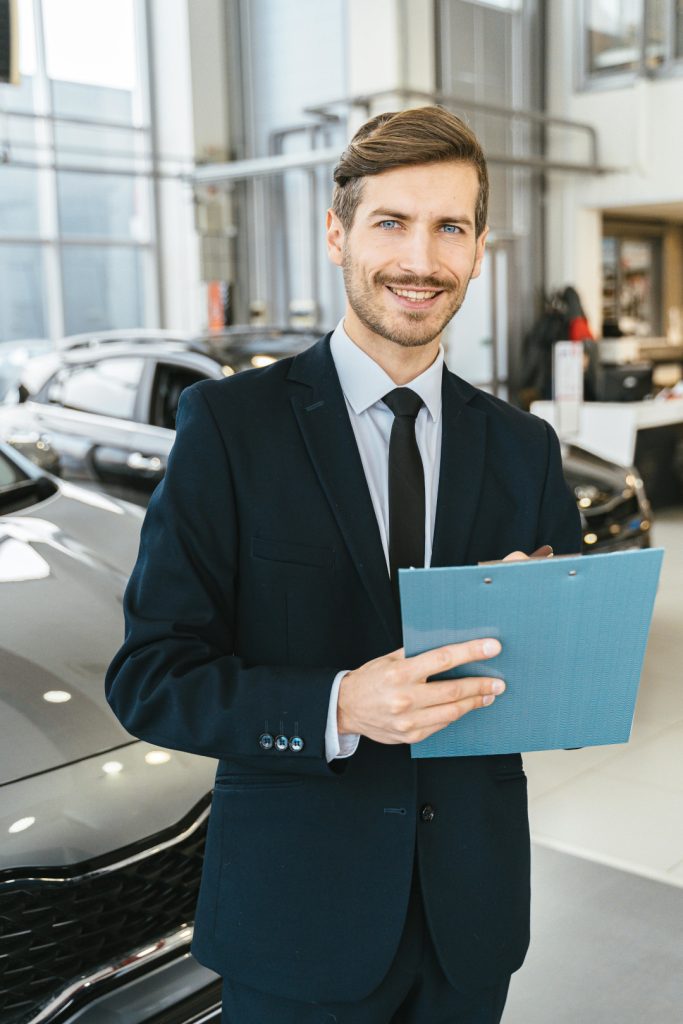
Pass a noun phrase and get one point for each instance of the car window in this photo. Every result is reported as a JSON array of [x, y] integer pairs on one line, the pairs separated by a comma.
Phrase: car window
[[170, 380], [108, 387]]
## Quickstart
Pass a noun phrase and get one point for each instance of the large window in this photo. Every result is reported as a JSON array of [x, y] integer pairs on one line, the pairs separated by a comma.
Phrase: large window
[[75, 185], [625, 38]]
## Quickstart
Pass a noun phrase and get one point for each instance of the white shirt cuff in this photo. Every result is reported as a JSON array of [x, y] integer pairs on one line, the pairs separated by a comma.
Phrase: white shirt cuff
[[336, 745]]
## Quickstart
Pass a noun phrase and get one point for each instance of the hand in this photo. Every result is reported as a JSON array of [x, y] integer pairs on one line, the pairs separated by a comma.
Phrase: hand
[[519, 556], [390, 701]]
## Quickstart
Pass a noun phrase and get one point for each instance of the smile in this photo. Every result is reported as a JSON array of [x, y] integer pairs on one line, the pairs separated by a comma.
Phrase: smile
[[413, 296]]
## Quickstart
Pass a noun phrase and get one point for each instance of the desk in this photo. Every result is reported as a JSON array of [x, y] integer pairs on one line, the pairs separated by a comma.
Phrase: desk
[[648, 435]]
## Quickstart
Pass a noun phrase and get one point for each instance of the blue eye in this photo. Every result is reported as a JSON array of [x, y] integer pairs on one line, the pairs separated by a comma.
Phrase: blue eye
[[388, 224], [450, 229]]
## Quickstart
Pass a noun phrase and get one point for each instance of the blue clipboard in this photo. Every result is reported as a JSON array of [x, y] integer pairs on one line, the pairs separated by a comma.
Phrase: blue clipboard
[[573, 631]]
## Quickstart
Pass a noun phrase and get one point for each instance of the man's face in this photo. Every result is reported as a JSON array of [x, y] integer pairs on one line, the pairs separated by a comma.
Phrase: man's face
[[411, 251]]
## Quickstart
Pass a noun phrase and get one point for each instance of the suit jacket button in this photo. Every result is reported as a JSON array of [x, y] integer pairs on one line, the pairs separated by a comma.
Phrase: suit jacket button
[[296, 744], [281, 743], [265, 741], [427, 813]]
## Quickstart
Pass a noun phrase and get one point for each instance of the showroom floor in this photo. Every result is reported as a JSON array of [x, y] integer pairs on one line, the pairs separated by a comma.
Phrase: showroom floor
[[607, 824]]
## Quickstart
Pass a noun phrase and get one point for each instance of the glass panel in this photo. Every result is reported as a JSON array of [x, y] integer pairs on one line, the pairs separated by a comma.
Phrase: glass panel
[[637, 266], [103, 287], [610, 284], [18, 201], [679, 28], [108, 387], [101, 53], [22, 292], [613, 35], [100, 205], [107, 148]]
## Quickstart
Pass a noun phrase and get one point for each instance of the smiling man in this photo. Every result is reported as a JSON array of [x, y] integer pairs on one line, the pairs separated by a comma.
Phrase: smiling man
[[342, 880]]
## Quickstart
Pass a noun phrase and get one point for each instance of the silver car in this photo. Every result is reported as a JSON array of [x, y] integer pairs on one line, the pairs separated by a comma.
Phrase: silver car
[[102, 835]]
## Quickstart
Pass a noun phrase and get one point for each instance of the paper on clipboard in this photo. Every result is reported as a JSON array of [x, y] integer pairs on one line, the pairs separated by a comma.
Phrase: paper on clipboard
[[573, 632]]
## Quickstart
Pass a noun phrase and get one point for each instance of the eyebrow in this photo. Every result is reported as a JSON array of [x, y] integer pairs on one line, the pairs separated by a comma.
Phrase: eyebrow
[[459, 218]]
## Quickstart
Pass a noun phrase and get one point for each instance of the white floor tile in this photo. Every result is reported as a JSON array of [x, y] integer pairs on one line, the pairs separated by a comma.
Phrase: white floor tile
[[623, 822]]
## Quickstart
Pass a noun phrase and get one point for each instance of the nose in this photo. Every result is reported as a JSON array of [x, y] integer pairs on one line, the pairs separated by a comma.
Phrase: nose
[[418, 253]]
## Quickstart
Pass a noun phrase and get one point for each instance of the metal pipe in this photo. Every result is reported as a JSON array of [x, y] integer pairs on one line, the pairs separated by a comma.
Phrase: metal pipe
[[269, 165], [533, 116]]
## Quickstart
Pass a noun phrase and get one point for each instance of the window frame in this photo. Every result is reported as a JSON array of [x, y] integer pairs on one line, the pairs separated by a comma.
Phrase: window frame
[[588, 81]]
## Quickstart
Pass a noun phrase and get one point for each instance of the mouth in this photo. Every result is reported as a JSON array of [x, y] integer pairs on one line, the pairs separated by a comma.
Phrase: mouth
[[415, 298]]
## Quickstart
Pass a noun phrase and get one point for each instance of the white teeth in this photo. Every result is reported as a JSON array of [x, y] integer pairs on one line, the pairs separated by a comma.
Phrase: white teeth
[[415, 296]]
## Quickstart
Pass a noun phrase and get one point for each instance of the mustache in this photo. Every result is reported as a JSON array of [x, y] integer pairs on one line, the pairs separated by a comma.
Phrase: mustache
[[410, 281]]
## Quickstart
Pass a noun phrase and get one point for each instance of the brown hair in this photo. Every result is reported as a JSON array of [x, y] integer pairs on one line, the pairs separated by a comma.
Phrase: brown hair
[[422, 135]]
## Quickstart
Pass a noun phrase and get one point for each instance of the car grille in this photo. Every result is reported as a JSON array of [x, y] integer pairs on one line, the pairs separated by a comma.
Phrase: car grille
[[55, 930]]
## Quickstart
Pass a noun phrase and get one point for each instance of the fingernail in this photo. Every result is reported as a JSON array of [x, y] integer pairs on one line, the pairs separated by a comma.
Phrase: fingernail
[[489, 699], [491, 647], [498, 686]]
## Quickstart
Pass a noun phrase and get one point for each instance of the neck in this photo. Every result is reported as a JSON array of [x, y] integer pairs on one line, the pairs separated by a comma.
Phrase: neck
[[401, 363]]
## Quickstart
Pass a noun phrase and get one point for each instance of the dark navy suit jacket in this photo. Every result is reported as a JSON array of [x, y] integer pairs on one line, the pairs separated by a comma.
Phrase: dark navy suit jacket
[[260, 576]]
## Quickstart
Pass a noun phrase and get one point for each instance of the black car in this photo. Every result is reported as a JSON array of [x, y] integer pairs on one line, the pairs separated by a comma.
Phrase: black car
[[103, 407], [102, 835]]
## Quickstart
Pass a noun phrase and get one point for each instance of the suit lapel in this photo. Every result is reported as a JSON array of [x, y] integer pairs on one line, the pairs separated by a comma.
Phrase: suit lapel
[[331, 444], [463, 444]]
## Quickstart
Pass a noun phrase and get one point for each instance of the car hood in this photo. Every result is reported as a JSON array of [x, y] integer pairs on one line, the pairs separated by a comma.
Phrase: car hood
[[64, 563], [107, 802]]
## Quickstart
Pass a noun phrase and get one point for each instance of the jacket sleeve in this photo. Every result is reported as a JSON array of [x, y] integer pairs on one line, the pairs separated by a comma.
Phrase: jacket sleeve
[[176, 681], [559, 521]]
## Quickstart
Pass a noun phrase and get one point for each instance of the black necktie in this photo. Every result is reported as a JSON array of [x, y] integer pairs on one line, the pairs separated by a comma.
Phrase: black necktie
[[406, 486]]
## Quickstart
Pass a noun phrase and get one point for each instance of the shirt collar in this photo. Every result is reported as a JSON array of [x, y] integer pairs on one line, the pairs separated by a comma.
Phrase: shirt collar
[[365, 383]]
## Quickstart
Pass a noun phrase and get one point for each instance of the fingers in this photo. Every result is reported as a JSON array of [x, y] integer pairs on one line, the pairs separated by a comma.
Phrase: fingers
[[442, 659], [448, 691], [425, 721], [516, 556], [443, 714]]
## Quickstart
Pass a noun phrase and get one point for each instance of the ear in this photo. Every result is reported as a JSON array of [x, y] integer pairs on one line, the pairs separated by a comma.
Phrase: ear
[[479, 252], [335, 235]]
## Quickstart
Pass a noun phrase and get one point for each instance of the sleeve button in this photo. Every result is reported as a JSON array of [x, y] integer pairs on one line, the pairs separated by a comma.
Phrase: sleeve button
[[281, 743], [265, 741], [296, 744]]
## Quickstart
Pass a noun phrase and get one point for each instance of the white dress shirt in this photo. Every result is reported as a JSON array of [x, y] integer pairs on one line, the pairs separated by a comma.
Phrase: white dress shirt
[[364, 384]]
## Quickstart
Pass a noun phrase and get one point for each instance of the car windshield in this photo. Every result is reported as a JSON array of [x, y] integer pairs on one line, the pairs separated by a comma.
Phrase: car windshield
[[18, 490]]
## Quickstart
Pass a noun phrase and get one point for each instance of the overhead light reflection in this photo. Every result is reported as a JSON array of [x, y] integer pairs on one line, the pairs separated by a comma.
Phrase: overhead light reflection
[[56, 696], [227, 370], [20, 562], [262, 360], [21, 825], [590, 538], [112, 767], [157, 757]]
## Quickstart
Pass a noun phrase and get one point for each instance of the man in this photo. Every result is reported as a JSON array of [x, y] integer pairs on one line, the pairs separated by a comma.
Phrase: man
[[344, 881]]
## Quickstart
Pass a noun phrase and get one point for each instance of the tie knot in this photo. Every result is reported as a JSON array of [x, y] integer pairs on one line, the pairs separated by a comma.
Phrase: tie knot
[[403, 402]]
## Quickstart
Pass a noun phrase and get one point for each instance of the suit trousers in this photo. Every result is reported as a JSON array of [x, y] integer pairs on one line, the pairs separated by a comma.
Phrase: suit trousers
[[414, 991]]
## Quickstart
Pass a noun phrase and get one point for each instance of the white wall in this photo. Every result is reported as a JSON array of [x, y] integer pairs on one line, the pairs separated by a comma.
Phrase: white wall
[[640, 137]]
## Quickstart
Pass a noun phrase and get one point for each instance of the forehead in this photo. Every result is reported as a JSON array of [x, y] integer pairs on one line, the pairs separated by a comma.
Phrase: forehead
[[447, 187]]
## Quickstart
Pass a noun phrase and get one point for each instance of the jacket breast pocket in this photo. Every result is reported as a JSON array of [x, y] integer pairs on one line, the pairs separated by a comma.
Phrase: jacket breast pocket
[[292, 553]]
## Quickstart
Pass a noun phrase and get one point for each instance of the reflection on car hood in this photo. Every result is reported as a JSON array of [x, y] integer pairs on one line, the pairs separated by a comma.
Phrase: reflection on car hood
[[103, 803], [64, 564]]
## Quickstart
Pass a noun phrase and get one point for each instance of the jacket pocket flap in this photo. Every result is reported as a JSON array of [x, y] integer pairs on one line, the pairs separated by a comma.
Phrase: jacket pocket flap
[[292, 552]]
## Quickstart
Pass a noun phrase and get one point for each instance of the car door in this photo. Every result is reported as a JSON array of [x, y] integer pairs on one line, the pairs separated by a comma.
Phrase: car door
[[87, 412]]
